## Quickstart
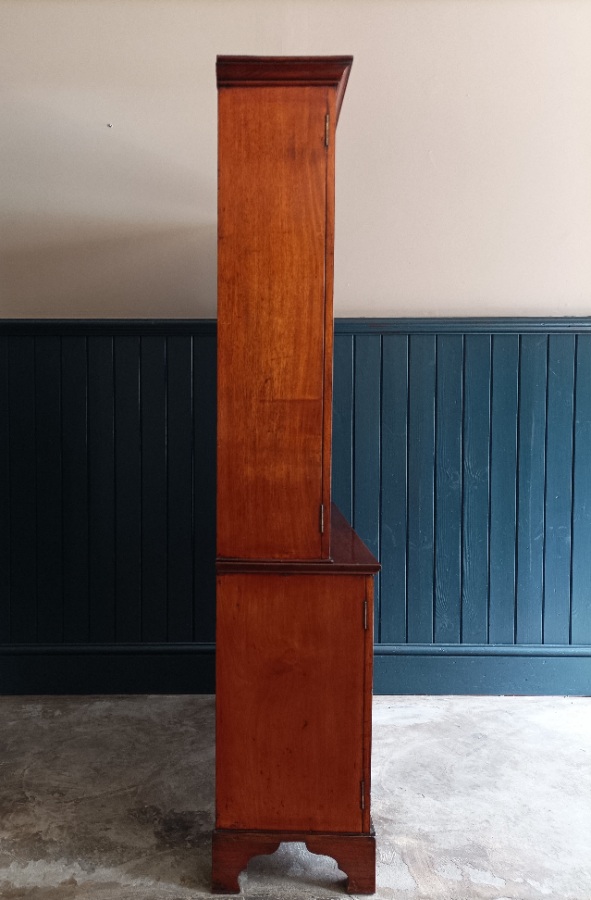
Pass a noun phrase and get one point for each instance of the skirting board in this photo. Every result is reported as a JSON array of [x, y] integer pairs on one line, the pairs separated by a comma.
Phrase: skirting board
[[526, 670], [190, 669], [107, 669]]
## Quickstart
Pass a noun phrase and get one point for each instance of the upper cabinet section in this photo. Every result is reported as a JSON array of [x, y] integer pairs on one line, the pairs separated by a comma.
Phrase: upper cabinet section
[[301, 71], [276, 125]]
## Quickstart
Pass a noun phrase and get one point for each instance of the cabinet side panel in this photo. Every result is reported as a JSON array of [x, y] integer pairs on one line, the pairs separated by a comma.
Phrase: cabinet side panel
[[368, 708], [271, 258], [290, 702], [328, 315]]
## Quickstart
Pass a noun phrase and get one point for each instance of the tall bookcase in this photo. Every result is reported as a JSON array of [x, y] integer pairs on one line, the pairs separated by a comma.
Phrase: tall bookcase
[[294, 582]]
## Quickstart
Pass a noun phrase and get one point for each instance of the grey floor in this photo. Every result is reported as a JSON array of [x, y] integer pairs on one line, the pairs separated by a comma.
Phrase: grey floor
[[111, 798]]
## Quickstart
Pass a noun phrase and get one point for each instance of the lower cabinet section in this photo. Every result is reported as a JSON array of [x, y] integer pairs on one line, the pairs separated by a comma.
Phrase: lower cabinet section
[[293, 723]]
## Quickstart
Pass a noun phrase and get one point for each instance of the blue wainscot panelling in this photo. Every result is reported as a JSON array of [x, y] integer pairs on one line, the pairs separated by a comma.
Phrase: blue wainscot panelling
[[469, 475], [461, 456], [107, 506]]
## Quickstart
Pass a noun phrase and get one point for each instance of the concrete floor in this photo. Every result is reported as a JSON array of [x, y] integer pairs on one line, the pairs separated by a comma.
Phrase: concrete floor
[[111, 798]]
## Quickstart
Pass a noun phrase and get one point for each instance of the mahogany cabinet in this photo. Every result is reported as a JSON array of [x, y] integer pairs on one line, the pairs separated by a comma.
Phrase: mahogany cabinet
[[294, 583]]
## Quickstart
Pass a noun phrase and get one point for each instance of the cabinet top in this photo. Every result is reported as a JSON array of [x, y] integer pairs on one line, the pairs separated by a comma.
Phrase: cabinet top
[[257, 71], [349, 556]]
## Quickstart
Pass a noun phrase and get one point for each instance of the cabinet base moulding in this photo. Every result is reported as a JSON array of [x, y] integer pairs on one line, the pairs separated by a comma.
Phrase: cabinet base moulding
[[232, 850]]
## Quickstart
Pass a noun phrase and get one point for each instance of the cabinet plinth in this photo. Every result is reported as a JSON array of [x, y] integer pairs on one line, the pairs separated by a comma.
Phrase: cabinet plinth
[[355, 855], [294, 583]]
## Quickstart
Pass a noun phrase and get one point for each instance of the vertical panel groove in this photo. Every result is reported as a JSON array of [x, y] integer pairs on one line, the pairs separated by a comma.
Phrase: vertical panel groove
[[379, 475], [140, 561], [23, 488], [378, 612], [192, 476], [36, 494], [393, 465], [545, 497], [435, 476], [531, 503], [421, 488], [9, 494], [102, 496], [573, 486], [448, 489], [559, 493], [115, 491], [62, 517], [462, 484], [179, 477], [517, 488], [489, 509], [503, 495], [88, 492], [463, 489], [407, 481], [476, 473], [166, 461], [581, 557], [5, 499], [87, 435]]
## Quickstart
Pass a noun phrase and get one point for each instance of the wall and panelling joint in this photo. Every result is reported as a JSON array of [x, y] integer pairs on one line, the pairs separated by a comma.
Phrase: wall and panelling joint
[[461, 456]]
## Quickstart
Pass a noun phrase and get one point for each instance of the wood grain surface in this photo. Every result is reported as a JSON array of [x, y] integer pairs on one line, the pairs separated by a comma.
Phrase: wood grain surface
[[293, 663], [271, 321]]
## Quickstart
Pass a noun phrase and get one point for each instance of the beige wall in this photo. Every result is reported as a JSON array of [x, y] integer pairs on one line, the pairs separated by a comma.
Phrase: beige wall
[[464, 152]]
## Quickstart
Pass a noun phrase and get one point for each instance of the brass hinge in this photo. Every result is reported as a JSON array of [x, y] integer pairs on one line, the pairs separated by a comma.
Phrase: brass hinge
[[322, 518], [362, 786], [365, 615], [326, 129]]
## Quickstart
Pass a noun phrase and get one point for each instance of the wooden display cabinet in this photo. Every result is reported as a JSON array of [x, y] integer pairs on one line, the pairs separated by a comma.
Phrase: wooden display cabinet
[[294, 584]]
